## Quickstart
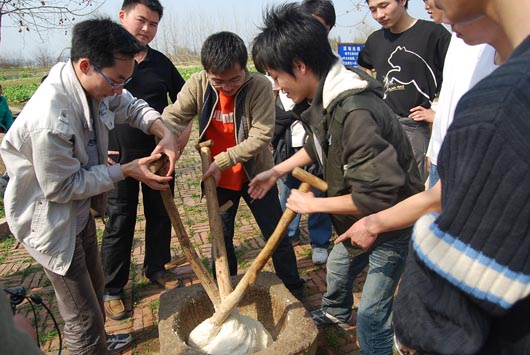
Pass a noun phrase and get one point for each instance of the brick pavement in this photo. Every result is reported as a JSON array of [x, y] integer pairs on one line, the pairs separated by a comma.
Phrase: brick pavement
[[17, 267]]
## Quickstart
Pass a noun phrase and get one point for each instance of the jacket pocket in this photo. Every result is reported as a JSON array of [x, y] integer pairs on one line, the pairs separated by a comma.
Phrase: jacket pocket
[[38, 222]]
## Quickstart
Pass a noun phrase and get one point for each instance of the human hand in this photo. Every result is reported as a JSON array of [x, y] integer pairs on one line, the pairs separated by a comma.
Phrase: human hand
[[213, 171], [139, 169], [262, 183], [301, 202], [184, 137], [110, 153], [359, 235], [167, 144], [420, 113]]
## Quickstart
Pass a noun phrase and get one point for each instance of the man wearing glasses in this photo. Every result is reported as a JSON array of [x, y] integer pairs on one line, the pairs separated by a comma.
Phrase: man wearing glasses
[[236, 110], [56, 157]]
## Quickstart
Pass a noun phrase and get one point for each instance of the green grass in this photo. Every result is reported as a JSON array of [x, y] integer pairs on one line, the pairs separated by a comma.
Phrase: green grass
[[334, 337], [46, 337], [187, 72], [155, 305], [5, 247], [99, 235], [20, 93], [20, 84]]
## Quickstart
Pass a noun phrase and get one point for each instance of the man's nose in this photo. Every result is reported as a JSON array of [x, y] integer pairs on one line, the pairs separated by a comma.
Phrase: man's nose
[[118, 90]]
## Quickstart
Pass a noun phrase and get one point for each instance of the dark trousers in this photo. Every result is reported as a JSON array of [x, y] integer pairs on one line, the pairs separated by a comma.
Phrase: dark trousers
[[119, 232], [80, 296], [267, 213], [418, 134]]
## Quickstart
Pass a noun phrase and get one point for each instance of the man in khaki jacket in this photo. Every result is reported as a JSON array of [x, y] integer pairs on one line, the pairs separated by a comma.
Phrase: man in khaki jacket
[[236, 110]]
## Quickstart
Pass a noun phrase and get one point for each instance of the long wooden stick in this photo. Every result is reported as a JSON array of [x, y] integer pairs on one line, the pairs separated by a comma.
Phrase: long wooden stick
[[232, 300], [189, 252], [222, 269]]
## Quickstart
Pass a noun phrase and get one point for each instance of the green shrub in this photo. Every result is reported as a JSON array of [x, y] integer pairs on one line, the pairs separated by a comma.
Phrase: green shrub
[[20, 93]]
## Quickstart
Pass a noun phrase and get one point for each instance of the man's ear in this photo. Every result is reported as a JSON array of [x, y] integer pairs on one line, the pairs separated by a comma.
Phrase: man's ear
[[300, 66], [121, 16], [84, 65]]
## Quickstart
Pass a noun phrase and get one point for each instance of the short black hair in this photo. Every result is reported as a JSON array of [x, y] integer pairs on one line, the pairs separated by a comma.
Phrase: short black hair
[[406, 4], [222, 51], [102, 40], [153, 5], [321, 8], [290, 34]]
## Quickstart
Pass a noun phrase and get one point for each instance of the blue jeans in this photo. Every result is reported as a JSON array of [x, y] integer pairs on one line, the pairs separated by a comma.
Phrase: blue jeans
[[374, 316], [318, 224], [433, 175]]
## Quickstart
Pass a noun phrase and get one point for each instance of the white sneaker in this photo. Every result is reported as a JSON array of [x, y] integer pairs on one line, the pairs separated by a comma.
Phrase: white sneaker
[[320, 255]]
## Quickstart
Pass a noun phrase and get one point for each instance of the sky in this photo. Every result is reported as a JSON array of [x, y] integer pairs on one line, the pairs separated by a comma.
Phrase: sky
[[187, 23]]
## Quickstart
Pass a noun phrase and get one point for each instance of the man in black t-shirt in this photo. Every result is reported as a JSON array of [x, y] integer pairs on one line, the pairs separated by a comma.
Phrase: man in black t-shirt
[[154, 79], [407, 55]]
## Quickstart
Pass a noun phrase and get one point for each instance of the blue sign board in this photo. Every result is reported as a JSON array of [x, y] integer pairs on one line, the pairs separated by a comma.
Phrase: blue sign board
[[349, 52]]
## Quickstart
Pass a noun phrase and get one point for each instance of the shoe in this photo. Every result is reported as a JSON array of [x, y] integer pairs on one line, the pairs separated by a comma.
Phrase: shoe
[[322, 318], [319, 255], [298, 293], [116, 343], [294, 240], [166, 279], [115, 309]]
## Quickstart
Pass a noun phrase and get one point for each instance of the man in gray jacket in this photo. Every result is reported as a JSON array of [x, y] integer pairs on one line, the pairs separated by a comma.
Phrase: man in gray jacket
[[56, 156]]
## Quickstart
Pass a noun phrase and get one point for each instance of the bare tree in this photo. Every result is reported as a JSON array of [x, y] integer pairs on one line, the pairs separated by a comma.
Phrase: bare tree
[[361, 29], [43, 57], [43, 15]]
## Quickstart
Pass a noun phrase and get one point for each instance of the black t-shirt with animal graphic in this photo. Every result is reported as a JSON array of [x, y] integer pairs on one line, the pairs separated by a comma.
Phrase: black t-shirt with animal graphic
[[409, 64]]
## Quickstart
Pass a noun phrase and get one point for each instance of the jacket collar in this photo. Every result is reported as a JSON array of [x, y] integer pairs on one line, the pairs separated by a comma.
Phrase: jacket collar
[[72, 85], [339, 80]]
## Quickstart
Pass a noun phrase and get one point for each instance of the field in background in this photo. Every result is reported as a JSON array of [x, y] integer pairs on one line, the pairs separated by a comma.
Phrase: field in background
[[20, 84]]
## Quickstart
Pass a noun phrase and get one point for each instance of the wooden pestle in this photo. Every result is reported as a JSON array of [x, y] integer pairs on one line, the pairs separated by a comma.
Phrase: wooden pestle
[[160, 167], [232, 300], [216, 228]]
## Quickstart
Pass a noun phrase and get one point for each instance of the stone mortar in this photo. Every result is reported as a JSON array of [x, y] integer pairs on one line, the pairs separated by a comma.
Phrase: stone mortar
[[291, 327]]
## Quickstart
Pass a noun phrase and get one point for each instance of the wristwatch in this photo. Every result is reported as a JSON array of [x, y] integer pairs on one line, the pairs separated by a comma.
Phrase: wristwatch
[[401, 349]]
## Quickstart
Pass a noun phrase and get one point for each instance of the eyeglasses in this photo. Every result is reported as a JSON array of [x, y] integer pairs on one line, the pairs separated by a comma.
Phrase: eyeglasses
[[110, 82], [216, 83]]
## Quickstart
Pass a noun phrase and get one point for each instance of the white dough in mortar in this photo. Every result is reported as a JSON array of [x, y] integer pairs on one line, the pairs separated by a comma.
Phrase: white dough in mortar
[[238, 335]]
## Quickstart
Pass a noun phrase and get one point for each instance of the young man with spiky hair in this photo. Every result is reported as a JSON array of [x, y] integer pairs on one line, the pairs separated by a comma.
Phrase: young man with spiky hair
[[235, 108], [289, 137], [155, 79], [365, 156], [56, 157], [407, 55]]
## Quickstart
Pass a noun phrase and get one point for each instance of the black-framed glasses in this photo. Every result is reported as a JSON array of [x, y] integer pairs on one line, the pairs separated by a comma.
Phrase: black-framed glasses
[[110, 82], [216, 83]]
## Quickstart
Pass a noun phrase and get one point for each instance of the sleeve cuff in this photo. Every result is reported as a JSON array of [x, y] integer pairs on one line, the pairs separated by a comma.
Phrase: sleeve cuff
[[222, 160], [115, 173]]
